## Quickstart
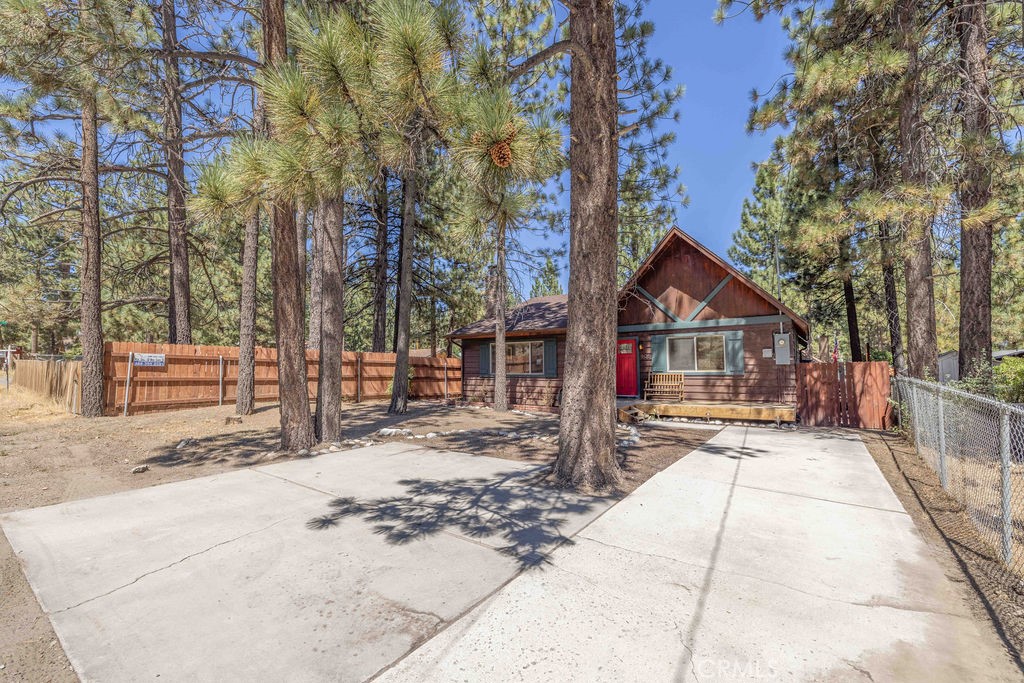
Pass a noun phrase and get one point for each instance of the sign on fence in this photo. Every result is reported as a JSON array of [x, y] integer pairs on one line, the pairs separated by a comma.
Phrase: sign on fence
[[149, 360]]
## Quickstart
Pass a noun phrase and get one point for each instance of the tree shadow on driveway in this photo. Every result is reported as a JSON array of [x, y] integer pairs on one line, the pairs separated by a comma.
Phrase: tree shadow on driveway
[[512, 512]]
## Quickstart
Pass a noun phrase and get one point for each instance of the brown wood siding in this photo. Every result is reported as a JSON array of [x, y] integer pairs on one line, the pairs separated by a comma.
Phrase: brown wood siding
[[680, 280], [762, 380], [528, 393]]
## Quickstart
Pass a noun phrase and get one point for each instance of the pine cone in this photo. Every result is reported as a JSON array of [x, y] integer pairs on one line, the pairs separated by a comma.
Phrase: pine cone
[[501, 154], [510, 131], [476, 138]]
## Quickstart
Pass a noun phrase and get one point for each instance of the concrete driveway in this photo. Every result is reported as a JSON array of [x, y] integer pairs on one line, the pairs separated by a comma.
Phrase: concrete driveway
[[328, 568], [763, 555]]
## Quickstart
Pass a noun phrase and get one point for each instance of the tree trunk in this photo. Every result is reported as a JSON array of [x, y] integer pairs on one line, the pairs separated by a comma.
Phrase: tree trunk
[[917, 267], [246, 390], [331, 216], [179, 316], [398, 276], [33, 340], [289, 328], [289, 280], [975, 192], [301, 214], [892, 304], [316, 279], [856, 355], [500, 355], [433, 308], [586, 447], [380, 268], [89, 272], [400, 384]]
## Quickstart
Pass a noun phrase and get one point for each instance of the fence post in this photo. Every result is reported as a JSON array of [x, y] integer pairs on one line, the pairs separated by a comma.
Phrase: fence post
[[1004, 456], [220, 382], [913, 416], [128, 381], [943, 476], [359, 377], [446, 378]]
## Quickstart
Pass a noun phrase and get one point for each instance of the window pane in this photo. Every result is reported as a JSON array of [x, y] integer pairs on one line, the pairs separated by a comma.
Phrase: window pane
[[680, 354], [711, 353], [518, 356], [537, 354]]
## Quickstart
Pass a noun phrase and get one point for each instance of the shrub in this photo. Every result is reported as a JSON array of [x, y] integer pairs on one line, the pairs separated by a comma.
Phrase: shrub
[[1008, 378]]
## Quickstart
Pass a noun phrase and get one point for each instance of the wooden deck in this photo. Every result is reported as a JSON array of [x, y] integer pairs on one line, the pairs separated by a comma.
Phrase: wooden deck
[[713, 410]]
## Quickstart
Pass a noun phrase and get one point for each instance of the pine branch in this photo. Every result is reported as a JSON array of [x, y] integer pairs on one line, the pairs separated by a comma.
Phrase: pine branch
[[557, 49], [208, 56]]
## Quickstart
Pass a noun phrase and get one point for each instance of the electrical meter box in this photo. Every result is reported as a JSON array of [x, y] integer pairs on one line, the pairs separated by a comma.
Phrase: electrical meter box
[[783, 352]]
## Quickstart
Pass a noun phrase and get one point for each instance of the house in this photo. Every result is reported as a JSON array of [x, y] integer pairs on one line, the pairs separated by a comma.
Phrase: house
[[685, 310]]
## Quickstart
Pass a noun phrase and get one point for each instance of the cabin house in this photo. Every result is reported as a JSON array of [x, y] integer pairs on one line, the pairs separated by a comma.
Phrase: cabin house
[[685, 312]]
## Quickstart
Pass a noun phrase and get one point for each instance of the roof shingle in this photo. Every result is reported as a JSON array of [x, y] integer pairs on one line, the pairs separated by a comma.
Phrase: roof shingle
[[542, 314]]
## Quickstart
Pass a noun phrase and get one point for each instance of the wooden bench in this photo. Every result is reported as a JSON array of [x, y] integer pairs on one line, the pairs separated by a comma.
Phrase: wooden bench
[[666, 386]]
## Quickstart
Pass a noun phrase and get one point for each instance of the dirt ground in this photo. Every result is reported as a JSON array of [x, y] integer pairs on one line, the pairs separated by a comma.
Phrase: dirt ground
[[996, 595], [48, 457]]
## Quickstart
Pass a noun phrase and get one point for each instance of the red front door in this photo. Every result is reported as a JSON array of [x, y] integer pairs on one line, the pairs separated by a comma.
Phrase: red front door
[[625, 368]]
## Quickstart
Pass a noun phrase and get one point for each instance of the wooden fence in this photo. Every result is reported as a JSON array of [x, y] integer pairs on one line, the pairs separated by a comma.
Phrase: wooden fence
[[844, 395], [60, 381], [157, 377]]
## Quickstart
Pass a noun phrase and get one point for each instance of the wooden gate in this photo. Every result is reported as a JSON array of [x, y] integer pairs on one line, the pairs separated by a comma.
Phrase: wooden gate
[[844, 395]]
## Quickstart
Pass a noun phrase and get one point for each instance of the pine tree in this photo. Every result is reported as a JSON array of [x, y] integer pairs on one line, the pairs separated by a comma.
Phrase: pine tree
[[502, 154], [314, 159], [180, 300], [758, 247], [296, 422], [649, 189], [414, 44], [975, 190], [547, 282], [586, 446], [55, 51]]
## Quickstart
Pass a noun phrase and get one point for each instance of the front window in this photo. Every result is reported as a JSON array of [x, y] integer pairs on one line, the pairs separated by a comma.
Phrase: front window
[[704, 353], [523, 358]]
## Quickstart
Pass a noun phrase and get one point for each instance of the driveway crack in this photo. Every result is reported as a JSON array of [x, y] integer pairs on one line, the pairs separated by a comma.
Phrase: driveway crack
[[168, 566], [854, 603]]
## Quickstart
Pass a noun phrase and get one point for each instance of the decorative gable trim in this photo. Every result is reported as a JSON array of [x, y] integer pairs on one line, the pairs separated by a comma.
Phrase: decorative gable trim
[[711, 295], [632, 284], [660, 306]]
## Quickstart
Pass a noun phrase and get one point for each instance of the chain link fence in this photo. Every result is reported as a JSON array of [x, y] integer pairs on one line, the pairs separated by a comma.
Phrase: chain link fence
[[976, 446]]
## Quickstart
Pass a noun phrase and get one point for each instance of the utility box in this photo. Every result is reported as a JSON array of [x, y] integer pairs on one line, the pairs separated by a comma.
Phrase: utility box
[[783, 343]]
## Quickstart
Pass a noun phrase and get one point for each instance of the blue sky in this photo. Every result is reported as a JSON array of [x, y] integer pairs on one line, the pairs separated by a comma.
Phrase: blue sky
[[718, 65]]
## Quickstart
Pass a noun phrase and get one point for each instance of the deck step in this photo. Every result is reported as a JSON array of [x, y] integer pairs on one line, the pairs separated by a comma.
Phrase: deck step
[[632, 414]]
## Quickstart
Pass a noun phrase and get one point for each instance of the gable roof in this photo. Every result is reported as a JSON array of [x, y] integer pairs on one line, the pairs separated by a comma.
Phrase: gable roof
[[674, 234], [550, 314], [543, 314]]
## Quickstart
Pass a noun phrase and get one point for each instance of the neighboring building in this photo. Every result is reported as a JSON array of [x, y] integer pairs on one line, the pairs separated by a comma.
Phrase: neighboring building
[[685, 310], [949, 362]]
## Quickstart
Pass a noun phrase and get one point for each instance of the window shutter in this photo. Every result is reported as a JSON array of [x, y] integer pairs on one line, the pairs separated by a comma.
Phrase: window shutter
[[734, 352], [485, 358], [551, 358], [659, 354]]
